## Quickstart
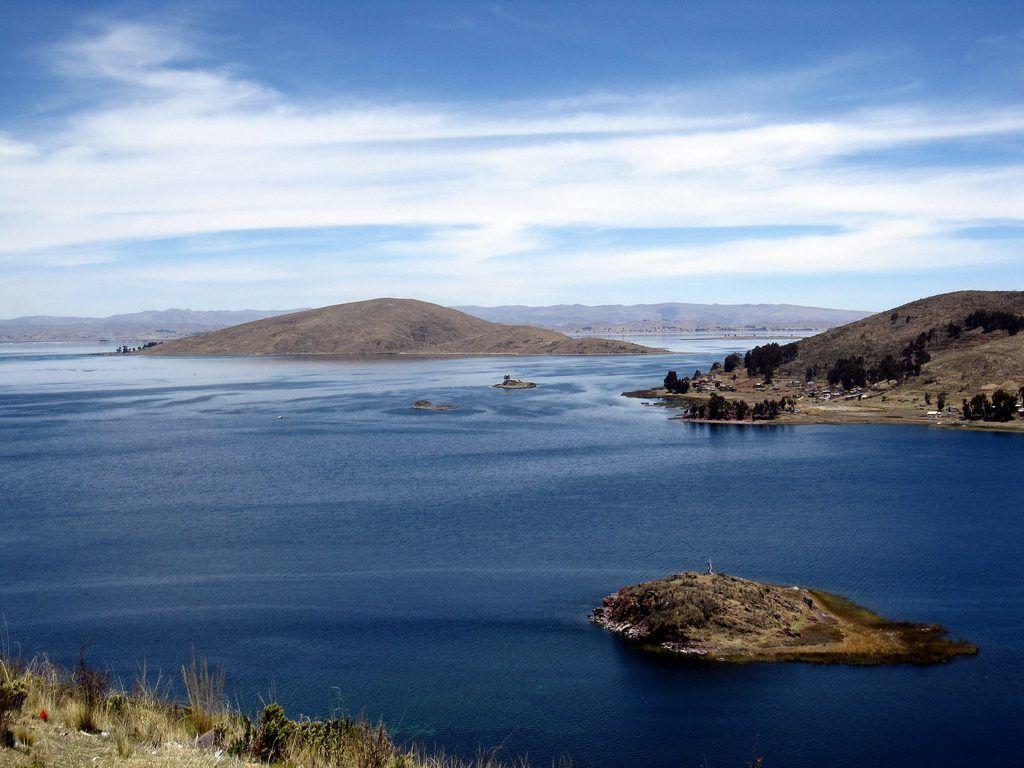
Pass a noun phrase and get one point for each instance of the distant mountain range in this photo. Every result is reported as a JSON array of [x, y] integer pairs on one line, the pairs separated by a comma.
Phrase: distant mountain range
[[566, 318], [156, 325], [668, 317]]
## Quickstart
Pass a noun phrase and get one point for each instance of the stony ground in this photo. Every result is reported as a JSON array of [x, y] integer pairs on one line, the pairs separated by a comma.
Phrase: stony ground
[[55, 746]]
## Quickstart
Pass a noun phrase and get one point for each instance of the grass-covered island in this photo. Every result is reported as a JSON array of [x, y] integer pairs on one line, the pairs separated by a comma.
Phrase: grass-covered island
[[726, 618]]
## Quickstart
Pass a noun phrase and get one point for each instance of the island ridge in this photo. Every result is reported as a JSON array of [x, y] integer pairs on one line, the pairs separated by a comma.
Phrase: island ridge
[[388, 327], [726, 618]]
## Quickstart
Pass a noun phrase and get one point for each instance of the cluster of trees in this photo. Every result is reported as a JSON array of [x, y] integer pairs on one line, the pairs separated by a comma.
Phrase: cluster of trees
[[848, 371], [852, 372], [732, 362], [717, 408], [126, 349], [1002, 406], [763, 360], [994, 320], [676, 385]]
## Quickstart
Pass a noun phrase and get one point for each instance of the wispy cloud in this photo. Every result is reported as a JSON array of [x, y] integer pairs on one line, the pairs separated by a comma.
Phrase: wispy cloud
[[187, 147]]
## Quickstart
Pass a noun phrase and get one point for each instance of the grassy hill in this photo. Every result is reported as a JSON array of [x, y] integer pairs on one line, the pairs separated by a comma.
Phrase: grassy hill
[[956, 359], [388, 326], [959, 359]]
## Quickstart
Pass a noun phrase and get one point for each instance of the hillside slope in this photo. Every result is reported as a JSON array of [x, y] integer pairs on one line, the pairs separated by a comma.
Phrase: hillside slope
[[953, 360], [960, 359], [388, 326]]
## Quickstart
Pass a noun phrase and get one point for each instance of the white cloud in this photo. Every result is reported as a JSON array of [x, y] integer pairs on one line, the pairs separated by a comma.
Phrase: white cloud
[[181, 148]]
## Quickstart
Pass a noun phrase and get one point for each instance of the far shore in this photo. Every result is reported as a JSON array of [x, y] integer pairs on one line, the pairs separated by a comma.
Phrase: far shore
[[386, 355]]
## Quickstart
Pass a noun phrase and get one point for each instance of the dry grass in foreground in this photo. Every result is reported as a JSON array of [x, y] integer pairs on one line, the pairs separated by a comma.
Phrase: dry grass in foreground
[[55, 717]]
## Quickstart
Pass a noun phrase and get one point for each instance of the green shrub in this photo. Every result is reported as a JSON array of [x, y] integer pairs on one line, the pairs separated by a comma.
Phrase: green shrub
[[117, 706], [273, 732]]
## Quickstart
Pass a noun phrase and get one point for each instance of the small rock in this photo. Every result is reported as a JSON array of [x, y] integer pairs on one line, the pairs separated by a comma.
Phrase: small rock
[[207, 741], [426, 405]]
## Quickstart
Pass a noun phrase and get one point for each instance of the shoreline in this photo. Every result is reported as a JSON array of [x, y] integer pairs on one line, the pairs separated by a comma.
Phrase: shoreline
[[374, 355], [823, 414]]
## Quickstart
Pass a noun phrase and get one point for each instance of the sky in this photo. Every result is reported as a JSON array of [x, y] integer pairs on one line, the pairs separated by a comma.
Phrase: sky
[[230, 155]]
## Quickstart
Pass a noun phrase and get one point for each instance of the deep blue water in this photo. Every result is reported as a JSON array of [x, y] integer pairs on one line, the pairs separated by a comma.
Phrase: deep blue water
[[436, 569]]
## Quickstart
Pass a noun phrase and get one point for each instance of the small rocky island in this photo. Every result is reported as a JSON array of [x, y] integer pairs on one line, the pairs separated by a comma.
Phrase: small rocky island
[[509, 383], [725, 618], [426, 405]]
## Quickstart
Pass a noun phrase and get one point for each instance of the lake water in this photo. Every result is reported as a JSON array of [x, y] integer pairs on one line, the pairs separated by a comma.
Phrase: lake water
[[436, 569]]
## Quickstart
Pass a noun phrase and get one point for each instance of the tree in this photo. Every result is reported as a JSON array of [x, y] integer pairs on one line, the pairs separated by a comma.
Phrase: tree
[[1004, 405], [718, 407], [849, 372], [732, 362], [978, 408], [767, 410], [942, 401], [927, 398], [994, 320], [888, 368], [765, 359], [676, 385]]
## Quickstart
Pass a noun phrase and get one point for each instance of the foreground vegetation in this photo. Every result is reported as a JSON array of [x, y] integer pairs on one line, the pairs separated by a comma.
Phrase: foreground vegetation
[[55, 717]]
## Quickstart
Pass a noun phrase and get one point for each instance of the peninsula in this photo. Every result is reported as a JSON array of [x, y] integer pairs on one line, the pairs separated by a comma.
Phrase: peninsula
[[956, 359], [388, 327], [726, 618]]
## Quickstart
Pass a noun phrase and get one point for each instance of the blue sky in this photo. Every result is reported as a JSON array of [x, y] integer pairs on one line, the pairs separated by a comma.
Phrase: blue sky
[[231, 155]]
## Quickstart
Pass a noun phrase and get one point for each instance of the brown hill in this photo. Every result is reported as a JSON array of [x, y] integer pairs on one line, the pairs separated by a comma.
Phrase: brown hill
[[966, 362], [388, 326]]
